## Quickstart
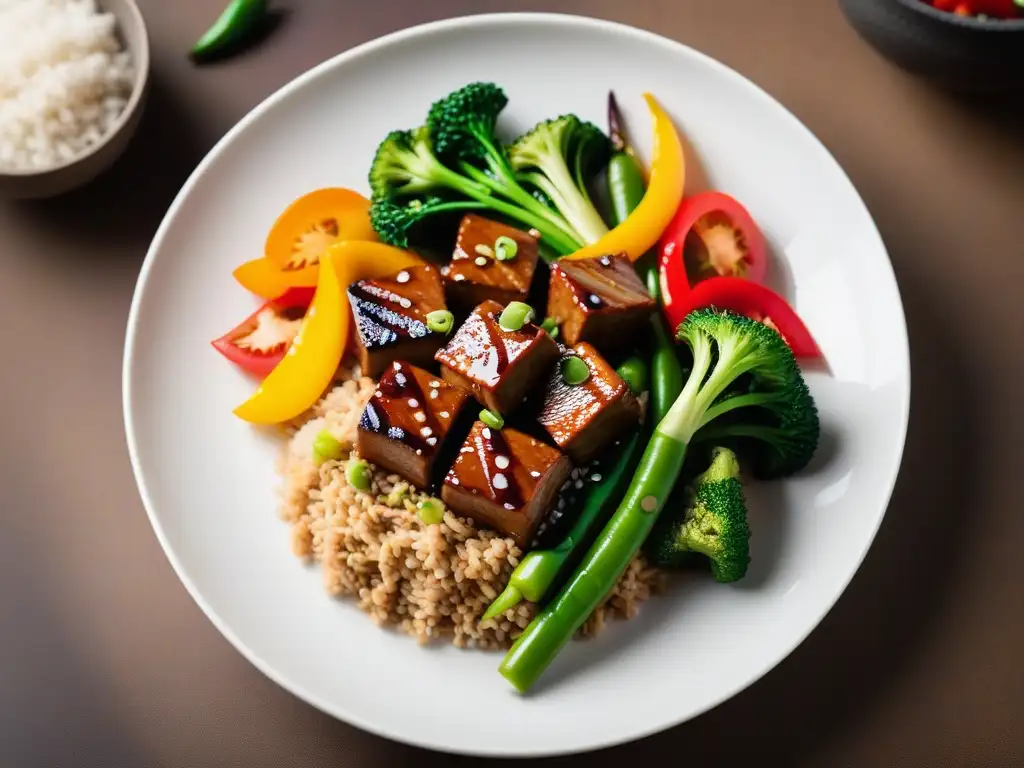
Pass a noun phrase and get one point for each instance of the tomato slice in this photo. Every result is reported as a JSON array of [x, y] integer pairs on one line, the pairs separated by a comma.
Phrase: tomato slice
[[260, 342], [713, 234], [315, 222], [758, 302]]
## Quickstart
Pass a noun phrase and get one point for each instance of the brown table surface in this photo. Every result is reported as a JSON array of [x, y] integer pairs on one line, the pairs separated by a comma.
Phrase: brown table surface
[[106, 661]]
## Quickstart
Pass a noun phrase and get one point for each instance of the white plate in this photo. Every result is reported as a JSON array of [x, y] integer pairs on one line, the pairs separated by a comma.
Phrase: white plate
[[208, 482]]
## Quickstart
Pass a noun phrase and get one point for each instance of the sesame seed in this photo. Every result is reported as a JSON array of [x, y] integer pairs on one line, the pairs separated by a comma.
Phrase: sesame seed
[[402, 277], [444, 414], [414, 403], [480, 261], [501, 462], [500, 481], [426, 431], [534, 232], [483, 249]]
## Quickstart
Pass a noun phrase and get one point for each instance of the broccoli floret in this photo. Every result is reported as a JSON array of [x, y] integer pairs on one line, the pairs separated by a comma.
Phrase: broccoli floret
[[712, 523], [558, 157], [744, 387], [408, 182], [458, 152], [398, 224], [463, 125]]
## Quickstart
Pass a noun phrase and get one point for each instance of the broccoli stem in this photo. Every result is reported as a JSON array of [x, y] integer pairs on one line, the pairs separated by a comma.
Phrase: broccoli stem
[[574, 206], [604, 563], [739, 401], [517, 194]]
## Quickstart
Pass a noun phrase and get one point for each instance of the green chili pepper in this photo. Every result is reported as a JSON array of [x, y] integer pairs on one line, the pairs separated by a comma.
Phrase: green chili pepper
[[535, 574], [626, 188], [237, 22]]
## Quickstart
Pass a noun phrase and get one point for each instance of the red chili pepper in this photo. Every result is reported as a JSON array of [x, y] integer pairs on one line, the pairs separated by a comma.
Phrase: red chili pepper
[[753, 300], [260, 342], [718, 236]]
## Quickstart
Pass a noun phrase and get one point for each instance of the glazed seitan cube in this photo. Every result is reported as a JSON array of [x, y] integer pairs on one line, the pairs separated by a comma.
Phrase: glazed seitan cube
[[475, 274], [497, 365], [601, 300], [391, 318], [583, 419], [505, 480], [411, 425]]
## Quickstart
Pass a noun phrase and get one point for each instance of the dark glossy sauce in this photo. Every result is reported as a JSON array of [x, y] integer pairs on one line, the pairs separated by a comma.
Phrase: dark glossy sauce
[[492, 448], [413, 421], [389, 324]]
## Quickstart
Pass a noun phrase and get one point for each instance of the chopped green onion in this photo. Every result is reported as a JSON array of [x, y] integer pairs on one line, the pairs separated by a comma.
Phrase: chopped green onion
[[574, 371], [440, 321], [359, 475], [480, 261], [492, 419], [431, 511], [505, 248], [326, 447], [550, 326], [515, 316]]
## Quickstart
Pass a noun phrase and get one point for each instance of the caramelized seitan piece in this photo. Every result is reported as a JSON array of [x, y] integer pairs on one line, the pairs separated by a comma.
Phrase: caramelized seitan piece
[[505, 480], [498, 366], [411, 424], [583, 419], [475, 274], [601, 300], [391, 318]]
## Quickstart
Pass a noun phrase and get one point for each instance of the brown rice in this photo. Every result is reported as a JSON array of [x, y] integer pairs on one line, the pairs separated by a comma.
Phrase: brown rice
[[429, 581]]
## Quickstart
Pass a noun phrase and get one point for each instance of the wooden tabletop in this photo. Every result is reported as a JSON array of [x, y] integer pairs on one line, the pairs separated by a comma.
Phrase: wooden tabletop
[[106, 661]]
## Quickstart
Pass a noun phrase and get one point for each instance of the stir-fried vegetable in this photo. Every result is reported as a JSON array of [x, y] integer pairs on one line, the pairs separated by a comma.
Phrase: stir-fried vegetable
[[315, 354], [758, 302], [642, 228], [711, 234], [260, 342], [725, 347]]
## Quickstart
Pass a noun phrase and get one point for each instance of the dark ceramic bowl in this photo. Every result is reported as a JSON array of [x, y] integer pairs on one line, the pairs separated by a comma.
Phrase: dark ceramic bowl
[[959, 53]]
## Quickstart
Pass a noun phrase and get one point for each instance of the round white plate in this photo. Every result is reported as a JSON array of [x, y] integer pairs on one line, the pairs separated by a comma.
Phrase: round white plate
[[207, 480]]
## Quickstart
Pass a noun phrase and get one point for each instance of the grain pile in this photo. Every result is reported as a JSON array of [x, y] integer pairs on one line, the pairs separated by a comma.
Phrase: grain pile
[[429, 581]]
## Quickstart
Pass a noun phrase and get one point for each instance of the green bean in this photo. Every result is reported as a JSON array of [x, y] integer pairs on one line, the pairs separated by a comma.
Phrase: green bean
[[535, 574], [602, 566], [634, 372]]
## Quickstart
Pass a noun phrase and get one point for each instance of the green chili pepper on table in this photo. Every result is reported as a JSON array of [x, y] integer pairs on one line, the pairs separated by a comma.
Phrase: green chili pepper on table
[[535, 574], [238, 21]]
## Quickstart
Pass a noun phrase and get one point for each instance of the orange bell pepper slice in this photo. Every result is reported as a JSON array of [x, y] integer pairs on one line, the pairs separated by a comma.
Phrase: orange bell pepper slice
[[261, 277], [301, 378], [643, 227], [313, 223]]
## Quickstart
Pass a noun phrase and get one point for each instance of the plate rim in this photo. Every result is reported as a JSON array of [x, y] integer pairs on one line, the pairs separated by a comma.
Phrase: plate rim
[[299, 82]]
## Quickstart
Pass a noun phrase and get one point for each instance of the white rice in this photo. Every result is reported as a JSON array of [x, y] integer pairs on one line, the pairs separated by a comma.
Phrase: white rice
[[64, 80]]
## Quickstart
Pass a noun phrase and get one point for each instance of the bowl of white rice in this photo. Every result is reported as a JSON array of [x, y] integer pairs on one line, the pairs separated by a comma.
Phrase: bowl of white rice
[[73, 81]]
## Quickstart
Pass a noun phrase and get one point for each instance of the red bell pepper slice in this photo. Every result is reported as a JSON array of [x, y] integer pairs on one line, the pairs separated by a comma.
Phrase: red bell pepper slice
[[758, 302], [260, 342], [717, 236]]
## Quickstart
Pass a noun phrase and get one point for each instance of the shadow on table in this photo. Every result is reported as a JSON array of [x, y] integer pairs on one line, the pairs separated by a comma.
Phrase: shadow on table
[[127, 203], [57, 710]]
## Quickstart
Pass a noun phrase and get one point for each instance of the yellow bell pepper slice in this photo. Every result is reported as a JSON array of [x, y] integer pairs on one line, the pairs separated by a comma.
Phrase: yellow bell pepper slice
[[261, 277], [307, 370], [643, 227]]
